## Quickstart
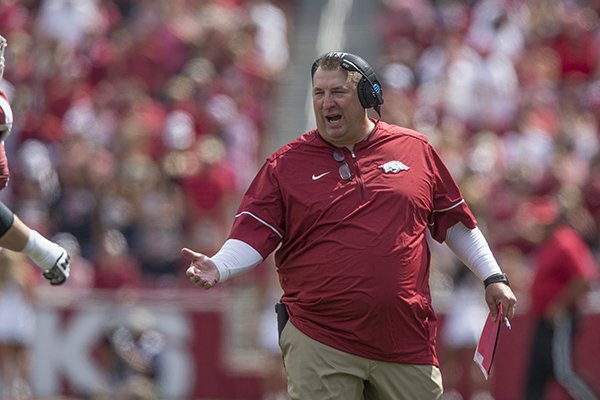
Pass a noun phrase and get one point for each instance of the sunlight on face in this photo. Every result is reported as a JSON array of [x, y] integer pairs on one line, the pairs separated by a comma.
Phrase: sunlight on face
[[341, 119]]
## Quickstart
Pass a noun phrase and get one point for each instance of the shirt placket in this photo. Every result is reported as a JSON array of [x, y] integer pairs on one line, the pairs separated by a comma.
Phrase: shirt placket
[[359, 179]]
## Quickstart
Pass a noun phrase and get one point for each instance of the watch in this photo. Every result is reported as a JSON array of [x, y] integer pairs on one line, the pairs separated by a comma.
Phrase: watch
[[496, 278]]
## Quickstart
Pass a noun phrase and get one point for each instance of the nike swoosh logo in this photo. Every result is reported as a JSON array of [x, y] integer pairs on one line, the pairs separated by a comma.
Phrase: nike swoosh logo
[[315, 177]]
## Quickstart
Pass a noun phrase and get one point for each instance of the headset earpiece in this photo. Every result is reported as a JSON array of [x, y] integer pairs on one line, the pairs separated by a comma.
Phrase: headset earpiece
[[366, 95]]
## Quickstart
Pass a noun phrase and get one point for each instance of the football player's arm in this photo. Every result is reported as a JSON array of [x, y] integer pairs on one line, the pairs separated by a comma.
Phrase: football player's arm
[[6, 121], [4, 171]]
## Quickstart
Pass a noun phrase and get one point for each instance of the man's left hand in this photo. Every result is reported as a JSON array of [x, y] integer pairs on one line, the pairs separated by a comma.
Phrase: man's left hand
[[500, 293]]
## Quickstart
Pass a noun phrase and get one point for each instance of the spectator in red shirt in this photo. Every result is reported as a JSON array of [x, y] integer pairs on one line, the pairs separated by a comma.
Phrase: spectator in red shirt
[[114, 268], [564, 271], [347, 206]]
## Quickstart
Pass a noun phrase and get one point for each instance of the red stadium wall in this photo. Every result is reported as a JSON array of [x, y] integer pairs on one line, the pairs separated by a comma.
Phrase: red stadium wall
[[69, 357], [510, 364], [201, 361]]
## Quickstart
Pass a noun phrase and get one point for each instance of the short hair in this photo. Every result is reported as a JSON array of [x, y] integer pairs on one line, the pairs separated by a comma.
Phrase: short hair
[[333, 61]]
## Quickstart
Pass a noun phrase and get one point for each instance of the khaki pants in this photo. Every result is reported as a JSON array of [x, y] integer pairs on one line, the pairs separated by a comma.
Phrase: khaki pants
[[319, 372]]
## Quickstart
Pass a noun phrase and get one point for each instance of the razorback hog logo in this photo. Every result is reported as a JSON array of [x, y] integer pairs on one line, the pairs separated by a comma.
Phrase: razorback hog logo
[[393, 167]]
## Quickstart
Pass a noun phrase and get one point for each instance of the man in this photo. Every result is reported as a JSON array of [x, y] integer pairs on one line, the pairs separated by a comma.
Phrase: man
[[564, 271], [14, 234], [349, 204]]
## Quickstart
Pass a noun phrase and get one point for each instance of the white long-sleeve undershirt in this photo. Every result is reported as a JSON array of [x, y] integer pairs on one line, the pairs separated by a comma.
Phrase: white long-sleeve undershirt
[[471, 247], [235, 257]]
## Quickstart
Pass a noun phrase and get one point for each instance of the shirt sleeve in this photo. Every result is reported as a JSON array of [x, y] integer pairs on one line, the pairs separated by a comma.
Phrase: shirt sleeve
[[449, 207], [259, 219]]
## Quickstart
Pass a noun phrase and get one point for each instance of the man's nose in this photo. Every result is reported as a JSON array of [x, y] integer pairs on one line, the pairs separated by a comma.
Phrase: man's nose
[[328, 100]]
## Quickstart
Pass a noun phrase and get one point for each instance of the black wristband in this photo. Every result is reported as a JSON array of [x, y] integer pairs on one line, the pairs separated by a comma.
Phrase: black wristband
[[496, 278]]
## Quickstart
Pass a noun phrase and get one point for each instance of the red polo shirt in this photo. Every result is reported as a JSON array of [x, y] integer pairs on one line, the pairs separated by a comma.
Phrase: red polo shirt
[[353, 260]]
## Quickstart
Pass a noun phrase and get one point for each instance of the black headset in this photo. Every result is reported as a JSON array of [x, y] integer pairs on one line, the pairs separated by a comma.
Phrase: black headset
[[369, 87]]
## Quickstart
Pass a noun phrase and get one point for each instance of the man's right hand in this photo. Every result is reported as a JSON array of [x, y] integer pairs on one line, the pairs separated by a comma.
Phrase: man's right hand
[[202, 270]]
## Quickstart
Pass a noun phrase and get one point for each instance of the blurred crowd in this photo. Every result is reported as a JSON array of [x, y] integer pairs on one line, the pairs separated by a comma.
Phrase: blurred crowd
[[137, 125], [509, 93]]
